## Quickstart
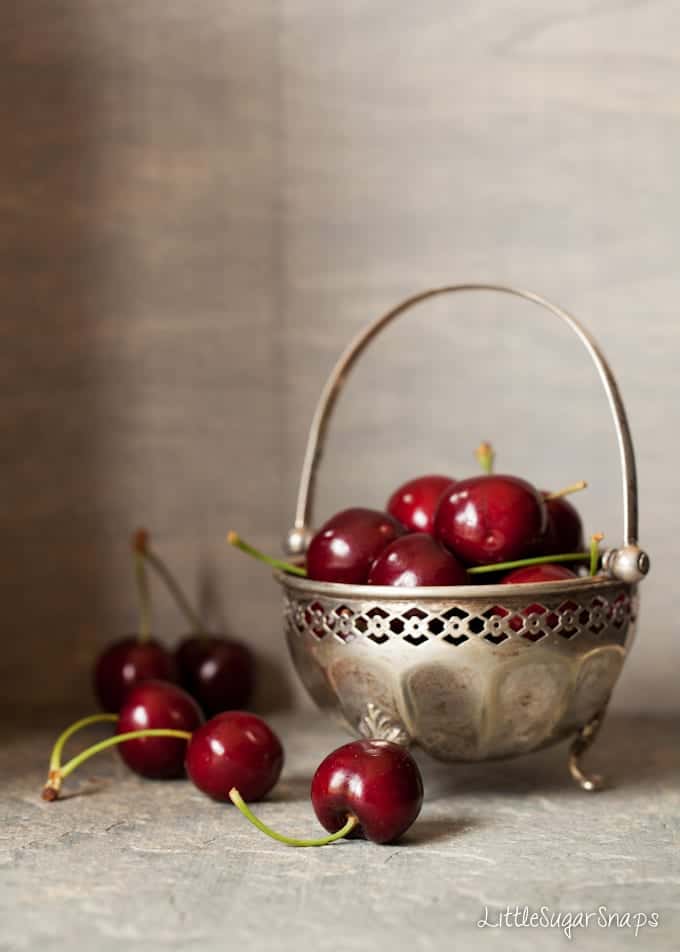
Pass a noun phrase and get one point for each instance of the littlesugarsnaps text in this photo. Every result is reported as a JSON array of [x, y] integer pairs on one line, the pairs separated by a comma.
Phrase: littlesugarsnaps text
[[524, 917]]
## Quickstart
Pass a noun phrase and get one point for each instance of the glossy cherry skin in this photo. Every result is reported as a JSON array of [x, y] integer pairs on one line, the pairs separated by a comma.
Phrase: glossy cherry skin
[[564, 532], [126, 663], [490, 519], [345, 547], [549, 572], [417, 559], [234, 749], [377, 782], [218, 672], [157, 704], [414, 504]]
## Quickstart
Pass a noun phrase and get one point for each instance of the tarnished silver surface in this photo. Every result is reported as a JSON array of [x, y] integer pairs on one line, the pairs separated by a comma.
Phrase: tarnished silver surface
[[471, 672], [467, 673]]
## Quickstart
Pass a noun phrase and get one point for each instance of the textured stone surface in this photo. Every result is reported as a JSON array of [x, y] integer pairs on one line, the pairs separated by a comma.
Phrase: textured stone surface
[[148, 866]]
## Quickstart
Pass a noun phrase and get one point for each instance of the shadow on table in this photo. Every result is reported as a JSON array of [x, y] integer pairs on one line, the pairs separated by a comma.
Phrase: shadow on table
[[629, 752]]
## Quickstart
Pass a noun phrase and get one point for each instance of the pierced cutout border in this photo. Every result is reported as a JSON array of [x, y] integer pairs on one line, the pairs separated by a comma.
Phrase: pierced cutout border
[[416, 625]]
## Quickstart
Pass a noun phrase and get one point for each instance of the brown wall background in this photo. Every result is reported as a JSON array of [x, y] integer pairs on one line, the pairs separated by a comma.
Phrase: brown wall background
[[200, 203]]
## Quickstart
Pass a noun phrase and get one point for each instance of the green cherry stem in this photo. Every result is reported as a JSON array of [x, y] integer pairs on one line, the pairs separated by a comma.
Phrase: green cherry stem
[[55, 778], [55, 757], [171, 584], [239, 802], [595, 551], [537, 560], [233, 538], [143, 593], [567, 491], [485, 457]]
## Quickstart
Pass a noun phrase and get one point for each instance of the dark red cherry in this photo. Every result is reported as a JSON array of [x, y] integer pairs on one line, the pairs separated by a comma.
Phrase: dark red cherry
[[345, 547], [374, 780], [218, 672], [415, 503], [126, 663], [490, 519], [564, 531], [157, 704], [548, 572], [417, 559], [234, 749]]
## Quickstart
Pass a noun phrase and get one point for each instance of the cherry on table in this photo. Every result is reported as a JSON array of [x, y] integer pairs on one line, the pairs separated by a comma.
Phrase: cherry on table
[[414, 504], [218, 672], [374, 780], [368, 788], [489, 519], [127, 662], [345, 547], [417, 559], [157, 704], [234, 749]]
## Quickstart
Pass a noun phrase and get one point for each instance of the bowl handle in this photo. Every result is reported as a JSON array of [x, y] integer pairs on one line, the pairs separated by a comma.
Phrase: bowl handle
[[628, 563]]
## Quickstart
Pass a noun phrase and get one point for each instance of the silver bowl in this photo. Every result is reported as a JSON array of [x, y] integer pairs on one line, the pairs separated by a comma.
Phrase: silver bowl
[[474, 672]]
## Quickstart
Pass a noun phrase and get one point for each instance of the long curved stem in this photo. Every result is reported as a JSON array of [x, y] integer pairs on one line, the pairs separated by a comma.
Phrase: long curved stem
[[537, 560], [175, 590], [144, 597], [53, 785], [233, 538], [239, 802], [55, 757]]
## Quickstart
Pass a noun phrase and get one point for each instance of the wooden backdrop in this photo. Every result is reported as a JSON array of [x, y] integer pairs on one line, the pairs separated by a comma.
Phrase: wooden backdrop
[[201, 201]]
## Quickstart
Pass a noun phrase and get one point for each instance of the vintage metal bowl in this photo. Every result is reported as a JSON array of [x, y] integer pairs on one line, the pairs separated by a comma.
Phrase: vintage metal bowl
[[468, 673]]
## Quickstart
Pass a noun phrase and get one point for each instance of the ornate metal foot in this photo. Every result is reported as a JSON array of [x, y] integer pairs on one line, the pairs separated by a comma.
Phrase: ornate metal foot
[[580, 744]]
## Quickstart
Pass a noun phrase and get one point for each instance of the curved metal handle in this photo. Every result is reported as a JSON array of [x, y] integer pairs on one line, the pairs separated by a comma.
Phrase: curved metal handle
[[298, 537]]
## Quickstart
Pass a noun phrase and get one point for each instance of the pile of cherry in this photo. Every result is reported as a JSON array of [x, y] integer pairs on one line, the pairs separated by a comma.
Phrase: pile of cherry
[[367, 788], [440, 531]]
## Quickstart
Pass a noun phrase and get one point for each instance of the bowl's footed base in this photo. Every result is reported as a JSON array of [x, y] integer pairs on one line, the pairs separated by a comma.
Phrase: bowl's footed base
[[377, 727]]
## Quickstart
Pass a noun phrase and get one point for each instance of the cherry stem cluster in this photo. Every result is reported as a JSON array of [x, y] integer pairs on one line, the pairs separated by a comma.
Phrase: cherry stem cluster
[[145, 553], [239, 802]]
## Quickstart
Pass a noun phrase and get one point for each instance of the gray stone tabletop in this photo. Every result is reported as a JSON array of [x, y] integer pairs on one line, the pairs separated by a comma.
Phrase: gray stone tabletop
[[140, 865]]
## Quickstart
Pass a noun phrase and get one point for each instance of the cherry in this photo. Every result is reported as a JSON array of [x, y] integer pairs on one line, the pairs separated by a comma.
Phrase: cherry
[[126, 663], [415, 503], [564, 532], [546, 572], [489, 519], [374, 780], [346, 546], [218, 672], [417, 559], [152, 731], [157, 704], [369, 788], [234, 749]]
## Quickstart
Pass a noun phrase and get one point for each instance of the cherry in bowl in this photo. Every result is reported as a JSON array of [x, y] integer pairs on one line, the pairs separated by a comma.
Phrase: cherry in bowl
[[417, 559], [415, 503], [488, 519]]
